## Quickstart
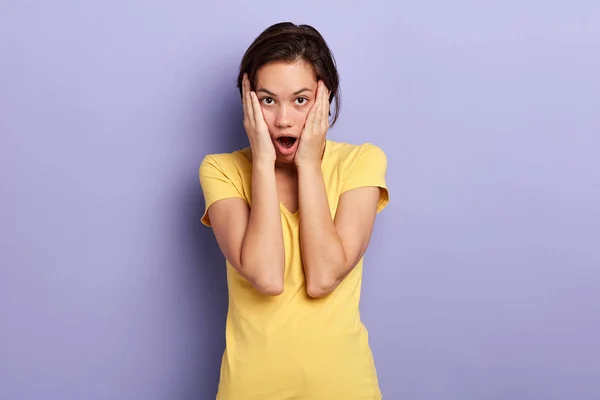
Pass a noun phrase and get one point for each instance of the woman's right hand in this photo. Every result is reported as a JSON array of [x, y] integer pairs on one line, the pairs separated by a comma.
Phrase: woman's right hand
[[255, 125]]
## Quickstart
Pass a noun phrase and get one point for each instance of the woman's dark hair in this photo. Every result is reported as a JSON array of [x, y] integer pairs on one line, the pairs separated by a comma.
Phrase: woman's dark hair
[[287, 42]]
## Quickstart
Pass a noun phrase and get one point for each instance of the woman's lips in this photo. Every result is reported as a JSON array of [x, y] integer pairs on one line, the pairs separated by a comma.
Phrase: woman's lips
[[282, 144]]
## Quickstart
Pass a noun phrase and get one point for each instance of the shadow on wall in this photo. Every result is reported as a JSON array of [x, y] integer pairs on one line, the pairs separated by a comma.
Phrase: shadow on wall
[[220, 130]]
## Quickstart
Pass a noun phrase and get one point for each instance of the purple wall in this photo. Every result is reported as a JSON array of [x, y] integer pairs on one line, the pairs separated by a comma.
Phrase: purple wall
[[483, 277]]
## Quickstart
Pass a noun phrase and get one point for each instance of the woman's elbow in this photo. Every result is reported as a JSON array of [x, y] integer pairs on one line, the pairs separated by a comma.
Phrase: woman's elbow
[[269, 285], [319, 288], [267, 281]]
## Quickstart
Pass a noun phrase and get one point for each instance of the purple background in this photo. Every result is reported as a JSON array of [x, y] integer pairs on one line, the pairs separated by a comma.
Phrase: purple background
[[483, 277]]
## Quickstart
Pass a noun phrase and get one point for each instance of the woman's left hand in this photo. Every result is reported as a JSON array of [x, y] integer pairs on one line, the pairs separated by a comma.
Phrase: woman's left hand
[[312, 138]]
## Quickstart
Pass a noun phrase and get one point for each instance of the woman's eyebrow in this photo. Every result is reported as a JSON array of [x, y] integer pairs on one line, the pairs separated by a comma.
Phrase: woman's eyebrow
[[266, 91], [302, 90], [263, 90]]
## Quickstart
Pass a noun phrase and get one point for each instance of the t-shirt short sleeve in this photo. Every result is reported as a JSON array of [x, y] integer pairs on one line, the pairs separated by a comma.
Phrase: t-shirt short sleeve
[[216, 184], [368, 168]]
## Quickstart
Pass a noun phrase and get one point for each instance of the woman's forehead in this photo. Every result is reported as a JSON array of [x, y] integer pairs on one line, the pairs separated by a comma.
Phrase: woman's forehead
[[286, 76]]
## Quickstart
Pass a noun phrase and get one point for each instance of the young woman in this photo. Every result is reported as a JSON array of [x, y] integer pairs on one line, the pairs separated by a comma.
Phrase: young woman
[[293, 215]]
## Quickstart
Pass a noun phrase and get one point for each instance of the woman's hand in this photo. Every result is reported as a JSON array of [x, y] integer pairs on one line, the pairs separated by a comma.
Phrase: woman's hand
[[312, 138], [255, 125]]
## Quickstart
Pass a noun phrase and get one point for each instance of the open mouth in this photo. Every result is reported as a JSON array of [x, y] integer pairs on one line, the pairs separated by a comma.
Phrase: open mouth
[[286, 141]]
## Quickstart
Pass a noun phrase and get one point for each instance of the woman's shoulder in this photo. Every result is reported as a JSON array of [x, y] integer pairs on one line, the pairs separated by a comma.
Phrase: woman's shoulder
[[347, 154], [361, 165], [233, 161]]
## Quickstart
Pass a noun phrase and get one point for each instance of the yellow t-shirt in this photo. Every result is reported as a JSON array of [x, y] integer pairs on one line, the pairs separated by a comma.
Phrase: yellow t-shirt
[[293, 346]]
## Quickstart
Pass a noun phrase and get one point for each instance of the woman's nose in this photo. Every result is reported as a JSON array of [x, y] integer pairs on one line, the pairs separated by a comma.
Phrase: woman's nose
[[283, 118]]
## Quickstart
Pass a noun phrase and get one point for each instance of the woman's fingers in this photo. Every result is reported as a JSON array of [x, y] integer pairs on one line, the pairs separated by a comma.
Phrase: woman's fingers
[[246, 99], [256, 111], [251, 108], [325, 118], [320, 105], [322, 113], [310, 119]]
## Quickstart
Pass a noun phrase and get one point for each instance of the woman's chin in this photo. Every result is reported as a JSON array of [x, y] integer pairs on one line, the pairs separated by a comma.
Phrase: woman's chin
[[285, 160]]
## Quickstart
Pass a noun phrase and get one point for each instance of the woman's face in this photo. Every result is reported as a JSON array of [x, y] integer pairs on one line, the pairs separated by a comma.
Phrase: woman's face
[[286, 92]]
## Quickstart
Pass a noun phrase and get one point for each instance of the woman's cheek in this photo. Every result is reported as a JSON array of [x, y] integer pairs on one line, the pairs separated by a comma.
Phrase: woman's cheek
[[302, 114], [268, 115]]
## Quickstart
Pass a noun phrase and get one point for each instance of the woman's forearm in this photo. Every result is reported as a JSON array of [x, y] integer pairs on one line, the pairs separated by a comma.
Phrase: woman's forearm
[[263, 254], [322, 251]]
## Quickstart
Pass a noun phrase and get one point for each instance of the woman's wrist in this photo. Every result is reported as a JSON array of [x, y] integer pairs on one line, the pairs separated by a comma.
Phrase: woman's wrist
[[309, 166], [263, 164]]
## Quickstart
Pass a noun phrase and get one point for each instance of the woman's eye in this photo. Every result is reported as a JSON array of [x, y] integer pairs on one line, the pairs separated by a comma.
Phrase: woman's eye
[[268, 101], [301, 100]]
